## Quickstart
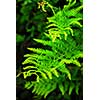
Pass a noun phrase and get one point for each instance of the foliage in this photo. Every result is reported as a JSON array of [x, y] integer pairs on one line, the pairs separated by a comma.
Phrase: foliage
[[30, 20], [56, 65], [64, 20], [19, 38]]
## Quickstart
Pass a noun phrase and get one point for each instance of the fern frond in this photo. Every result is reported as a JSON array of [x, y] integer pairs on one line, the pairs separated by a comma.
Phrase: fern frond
[[61, 21], [51, 66], [44, 42], [48, 64]]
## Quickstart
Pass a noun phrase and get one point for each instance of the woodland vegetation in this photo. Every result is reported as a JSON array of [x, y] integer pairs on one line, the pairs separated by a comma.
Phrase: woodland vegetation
[[49, 50]]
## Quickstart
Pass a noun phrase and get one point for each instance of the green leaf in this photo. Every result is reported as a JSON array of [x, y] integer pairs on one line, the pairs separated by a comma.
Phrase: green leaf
[[37, 79], [53, 87], [29, 67], [77, 88], [25, 75], [27, 84], [54, 71], [61, 87], [76, 63], [68, 73], [35, 88], [48, 73], [44, 75], [71, 88]]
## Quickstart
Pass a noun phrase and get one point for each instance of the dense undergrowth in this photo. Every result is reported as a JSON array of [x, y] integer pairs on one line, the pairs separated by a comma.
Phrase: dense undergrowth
[[50, 37]]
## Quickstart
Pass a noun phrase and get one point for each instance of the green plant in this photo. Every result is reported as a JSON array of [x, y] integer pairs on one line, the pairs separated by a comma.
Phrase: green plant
[[57, 64], [30, 21], [64, 20]]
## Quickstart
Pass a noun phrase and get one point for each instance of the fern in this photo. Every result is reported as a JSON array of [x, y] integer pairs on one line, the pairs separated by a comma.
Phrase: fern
[[52, 66], [62, 23]]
